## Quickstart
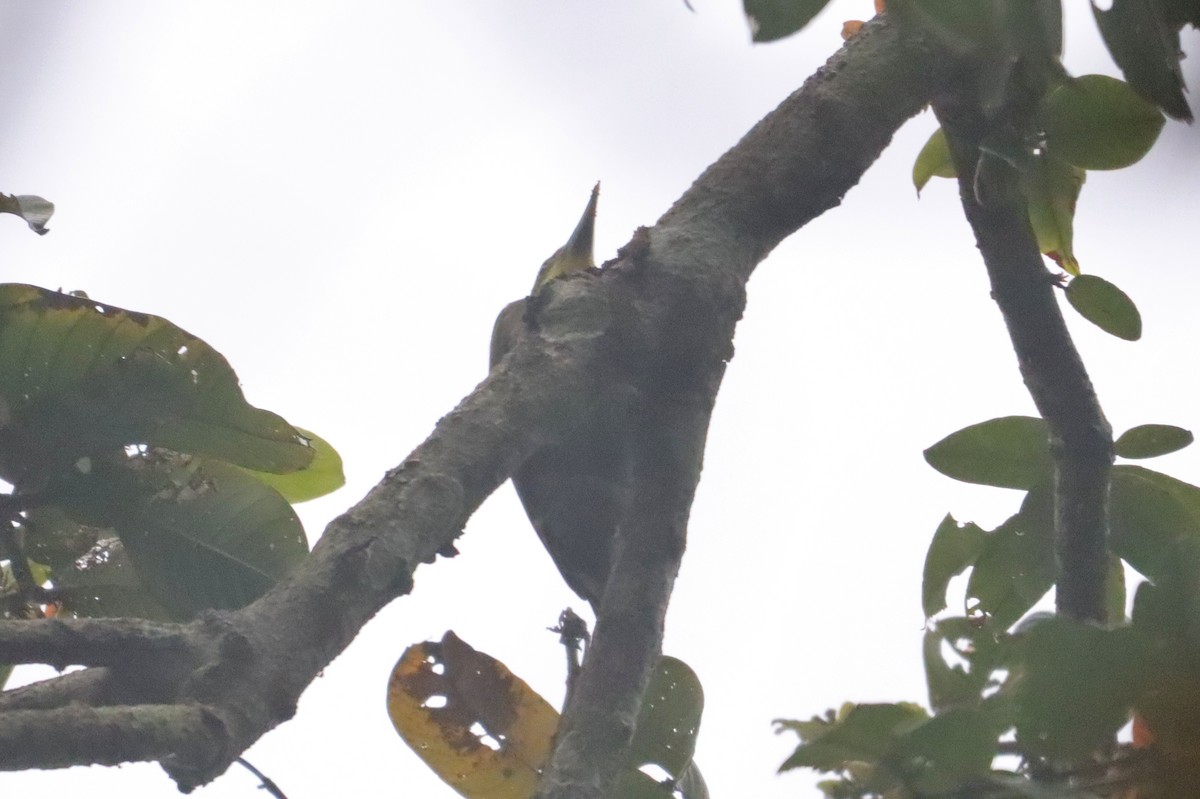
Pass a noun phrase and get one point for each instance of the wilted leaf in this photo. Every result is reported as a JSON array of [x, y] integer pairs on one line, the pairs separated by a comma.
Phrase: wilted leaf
[[953, 549], [1051, 187], [1105, 306], [35, 210], [774, 19], [1098, 122], [933, 161], [482, 729], [1152, 440], [78, 377], [1008, 452]]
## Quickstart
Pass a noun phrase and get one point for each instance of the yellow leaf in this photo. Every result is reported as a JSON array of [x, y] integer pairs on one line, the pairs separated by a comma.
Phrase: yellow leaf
[[477, 725]]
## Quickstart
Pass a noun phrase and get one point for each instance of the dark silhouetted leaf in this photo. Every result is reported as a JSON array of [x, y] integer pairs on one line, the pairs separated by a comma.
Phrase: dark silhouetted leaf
[[1152, 440], [1008, 452], [774, 19], [1105, 306], [1146, 47], [865, 733], [1149, 513], [1076, 687]]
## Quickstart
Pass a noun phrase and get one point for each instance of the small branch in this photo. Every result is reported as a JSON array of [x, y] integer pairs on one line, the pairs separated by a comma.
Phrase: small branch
[[1081, 438], [95, 687], [90, 642], [107, 736]]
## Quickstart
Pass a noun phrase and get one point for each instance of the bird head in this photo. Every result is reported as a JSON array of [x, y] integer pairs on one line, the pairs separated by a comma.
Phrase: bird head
[[576, 254]]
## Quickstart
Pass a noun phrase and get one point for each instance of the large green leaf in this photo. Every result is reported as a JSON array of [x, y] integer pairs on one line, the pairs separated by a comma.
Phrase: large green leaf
[[323, 476], [104, 583], [774, 19], [1016, 568], [1008, 452], [1149, 514], [956, 745], [1098, 122], [1076, 686], [1105, 306], [199, 534], [1152, 440], [954, 548], [78, 377]]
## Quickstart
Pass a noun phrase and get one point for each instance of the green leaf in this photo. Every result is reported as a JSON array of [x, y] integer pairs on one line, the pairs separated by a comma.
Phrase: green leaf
[[953, 549], [933, 161], [774, 19], [1008, 452], [35, 210], [864, 733], [104, 583], [1146, 47], [978, 652], [323, 476], [199, 534], [1076, 686], [1152, 440], [963, 28], [1015, 569], [78, 377], [1051, 188], [953, 746], [669, 719], [1098, 122], [1149, 514], [1105, 306]]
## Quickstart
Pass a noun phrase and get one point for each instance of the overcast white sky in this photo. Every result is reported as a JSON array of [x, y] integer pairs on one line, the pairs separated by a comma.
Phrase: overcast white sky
[[339, 196]]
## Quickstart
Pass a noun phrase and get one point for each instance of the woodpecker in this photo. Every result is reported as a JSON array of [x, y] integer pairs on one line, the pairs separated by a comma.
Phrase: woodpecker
[[575, 491]]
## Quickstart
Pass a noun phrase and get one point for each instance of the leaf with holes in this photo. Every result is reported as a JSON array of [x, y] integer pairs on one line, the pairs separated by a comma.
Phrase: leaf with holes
[[78, 377], [482, 729], [954, 548]]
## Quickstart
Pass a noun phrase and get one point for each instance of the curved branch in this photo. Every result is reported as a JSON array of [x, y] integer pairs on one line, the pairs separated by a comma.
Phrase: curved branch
[[1058, 382]]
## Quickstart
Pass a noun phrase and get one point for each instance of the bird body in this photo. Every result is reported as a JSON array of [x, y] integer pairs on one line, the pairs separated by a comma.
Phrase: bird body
[[574, 491]]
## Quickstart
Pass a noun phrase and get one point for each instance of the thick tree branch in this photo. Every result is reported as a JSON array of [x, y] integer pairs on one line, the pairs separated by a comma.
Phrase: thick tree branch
[[1081, 438], [669, 305]]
